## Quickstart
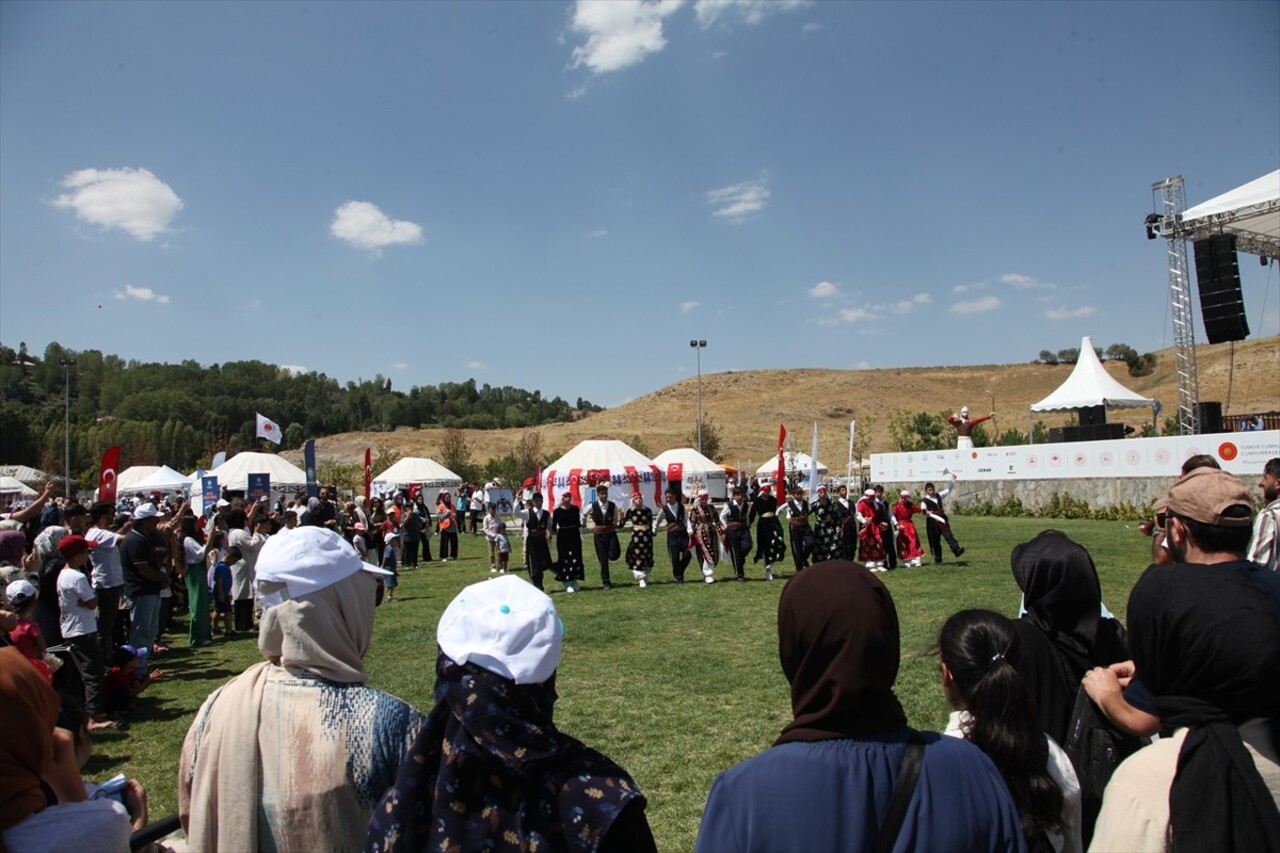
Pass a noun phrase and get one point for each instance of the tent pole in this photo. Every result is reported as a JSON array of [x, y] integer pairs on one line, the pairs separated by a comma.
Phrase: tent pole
[[1031, 438]]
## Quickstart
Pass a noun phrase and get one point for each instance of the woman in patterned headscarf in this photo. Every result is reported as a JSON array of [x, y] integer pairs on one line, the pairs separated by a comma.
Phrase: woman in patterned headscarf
[[490, 770]]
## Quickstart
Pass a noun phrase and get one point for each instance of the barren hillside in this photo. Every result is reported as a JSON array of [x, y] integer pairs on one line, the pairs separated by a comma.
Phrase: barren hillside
[[749, 406]]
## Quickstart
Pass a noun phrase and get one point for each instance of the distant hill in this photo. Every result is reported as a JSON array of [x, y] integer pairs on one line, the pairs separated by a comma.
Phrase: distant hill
[[748, 406]]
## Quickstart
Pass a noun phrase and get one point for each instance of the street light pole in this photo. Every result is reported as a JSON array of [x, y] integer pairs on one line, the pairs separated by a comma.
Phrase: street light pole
[[66, 364], [698, 347]]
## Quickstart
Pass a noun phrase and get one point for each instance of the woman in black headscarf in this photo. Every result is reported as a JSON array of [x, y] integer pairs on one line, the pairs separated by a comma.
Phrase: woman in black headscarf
[[828, 780], [1207, 645], [1062, 635]]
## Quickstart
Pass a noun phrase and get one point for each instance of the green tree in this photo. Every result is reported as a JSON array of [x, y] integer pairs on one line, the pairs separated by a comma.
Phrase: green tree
[[1048, 357], [712, 439]]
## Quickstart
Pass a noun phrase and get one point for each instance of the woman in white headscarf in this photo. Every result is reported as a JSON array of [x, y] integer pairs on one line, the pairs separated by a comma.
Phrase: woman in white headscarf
[[295, 752]]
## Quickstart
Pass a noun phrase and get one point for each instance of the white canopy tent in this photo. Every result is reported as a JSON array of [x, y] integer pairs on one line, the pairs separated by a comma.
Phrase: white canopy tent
[[1251, 212], [234, 473], [416, 471], [127, 480], [24, 473], [594, 461], [797, 464], [692, 470], [14, 486], [1089, 385], [163, 479]]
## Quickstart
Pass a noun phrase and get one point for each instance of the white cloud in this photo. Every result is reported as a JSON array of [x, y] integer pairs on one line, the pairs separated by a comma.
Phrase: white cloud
[[686, 307], [598, 233], [719, 54], [363, 225], [811, 27], [400, 365], [739, 202], [862, 365], [576, 92], [709, 12], [969, 288], [906, 306], [142, 294], [477, 365], [855, 315], [976, 306], [619, 33], [824, 290], [293, 369], [859, 313], [1065, 313], [133, 200], [1026, 282]]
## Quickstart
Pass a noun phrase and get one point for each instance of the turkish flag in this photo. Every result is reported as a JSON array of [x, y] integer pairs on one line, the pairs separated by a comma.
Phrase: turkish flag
[[780, 486], [107, 474]]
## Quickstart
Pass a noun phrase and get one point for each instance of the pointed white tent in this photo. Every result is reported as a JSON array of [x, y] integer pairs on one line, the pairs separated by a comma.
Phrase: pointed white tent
[[128, 479], [1089, 385], [163, 479], [416, 471], [595, 461], [797, 463], [234, 473], [692, 470]]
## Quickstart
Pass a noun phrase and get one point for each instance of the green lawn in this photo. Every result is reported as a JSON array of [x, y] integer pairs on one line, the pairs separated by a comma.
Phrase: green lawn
[[675, 682]]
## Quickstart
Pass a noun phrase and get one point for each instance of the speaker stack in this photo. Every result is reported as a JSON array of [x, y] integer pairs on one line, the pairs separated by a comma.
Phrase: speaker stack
[[1218, 278]]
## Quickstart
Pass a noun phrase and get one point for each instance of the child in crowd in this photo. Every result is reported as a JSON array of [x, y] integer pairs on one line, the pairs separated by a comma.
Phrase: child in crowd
[[25, 635], [392, 580], [220, 589], [122, 683], [504, 547], [358, 541]]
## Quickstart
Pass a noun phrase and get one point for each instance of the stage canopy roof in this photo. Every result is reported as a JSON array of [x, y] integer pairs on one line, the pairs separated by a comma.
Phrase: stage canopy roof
[[1090, 385], [1251, 212]]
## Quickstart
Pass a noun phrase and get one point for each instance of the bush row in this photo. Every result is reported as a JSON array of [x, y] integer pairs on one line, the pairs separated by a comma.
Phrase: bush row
[[1059, 505]]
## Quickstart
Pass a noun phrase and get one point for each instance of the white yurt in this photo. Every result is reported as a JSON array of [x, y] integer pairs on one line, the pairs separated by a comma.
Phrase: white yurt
[[596, 461], [416, 471], [693, 471], [234, 473]]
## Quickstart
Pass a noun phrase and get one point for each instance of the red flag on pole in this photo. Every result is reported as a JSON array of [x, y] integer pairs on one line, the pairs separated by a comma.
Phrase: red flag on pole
[[368, 470], [107, 474], [780, 487]]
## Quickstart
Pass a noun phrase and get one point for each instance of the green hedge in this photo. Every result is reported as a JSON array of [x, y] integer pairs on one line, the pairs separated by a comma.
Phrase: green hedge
[[1059, 505]]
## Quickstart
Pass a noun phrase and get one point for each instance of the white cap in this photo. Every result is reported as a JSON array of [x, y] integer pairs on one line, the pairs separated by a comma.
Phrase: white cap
[[20, 592], [869, 493], [308, 560], [506, 626], [905, 493], [147, 510], [222, 502]]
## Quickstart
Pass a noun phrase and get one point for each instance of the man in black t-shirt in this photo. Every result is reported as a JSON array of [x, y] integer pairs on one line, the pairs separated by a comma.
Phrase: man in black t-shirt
[[143, 580]]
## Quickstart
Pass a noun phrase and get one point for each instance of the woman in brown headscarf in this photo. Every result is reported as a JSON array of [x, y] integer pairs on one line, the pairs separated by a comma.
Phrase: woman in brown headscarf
[[827, 782]]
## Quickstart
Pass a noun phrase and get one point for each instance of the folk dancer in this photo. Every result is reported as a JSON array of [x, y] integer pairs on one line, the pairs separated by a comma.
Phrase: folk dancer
[[964, 425], [566, 524], [937, 526], [908, 537], [706, 535], [870, 537], [735, 519], [797, 510], [848, 524], [826, 528], [538, 547], [677, 523], [604, 518], [888, 528], [640, 549], [771, 547]]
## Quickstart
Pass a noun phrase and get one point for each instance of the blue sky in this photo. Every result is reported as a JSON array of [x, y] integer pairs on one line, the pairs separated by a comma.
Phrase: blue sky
[[560, 196]]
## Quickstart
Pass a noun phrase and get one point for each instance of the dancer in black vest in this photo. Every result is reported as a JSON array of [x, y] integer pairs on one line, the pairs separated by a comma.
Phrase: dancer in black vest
[[937, 525], [888, 528], [538, 547], [737, 531], [604, 514], [677, 524], [770, 545], [847, 512], [797, 510], [566, 524]]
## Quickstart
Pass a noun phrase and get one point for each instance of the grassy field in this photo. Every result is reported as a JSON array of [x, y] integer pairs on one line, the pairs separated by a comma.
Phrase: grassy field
[[675, 682]]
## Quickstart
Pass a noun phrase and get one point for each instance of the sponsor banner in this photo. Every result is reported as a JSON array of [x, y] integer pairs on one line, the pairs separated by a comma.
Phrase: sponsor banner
[[259, 486], [209, 489], [1241, 453]]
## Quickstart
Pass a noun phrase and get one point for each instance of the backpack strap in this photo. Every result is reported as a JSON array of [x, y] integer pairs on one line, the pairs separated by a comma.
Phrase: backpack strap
[[903, 789]]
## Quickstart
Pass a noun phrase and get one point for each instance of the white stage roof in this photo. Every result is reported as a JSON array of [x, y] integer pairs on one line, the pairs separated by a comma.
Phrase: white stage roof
[[1251, 212]]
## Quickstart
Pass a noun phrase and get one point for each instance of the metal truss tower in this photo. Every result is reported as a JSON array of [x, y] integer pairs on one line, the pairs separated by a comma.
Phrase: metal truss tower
[[1172, 204]]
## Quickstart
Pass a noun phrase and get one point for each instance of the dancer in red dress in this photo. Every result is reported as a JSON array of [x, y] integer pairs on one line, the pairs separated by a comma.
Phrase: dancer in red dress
[[908, 538], [870, 541]]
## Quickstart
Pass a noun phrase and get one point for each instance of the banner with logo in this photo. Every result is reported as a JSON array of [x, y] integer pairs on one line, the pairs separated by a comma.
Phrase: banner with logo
[[368, 470], [209, 489], [1242, 453], [107, 474], [259, 486], [309, 460]]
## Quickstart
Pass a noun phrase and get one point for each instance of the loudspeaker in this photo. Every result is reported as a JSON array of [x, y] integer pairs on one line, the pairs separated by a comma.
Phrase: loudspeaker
[[1057, 435], [1090, 415], [1218, 278], [1210, 416]]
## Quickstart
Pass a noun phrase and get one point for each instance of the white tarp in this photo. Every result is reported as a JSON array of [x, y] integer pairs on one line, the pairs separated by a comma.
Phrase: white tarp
[[1251, 212], [234, 473], [416, 471], [163, 479], [1090, 385], [12, 485], [692, 470], [595, 461]]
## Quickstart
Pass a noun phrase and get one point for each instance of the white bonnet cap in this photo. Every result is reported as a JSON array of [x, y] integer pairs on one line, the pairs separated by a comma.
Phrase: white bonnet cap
[[506, 626]]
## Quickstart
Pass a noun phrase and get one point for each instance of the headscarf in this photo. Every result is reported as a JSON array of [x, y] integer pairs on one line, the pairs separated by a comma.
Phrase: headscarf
[[490, 764], [13, 544], [326, 633], [838, 643], [26, 736], [1207, 644], [1061, 592]]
